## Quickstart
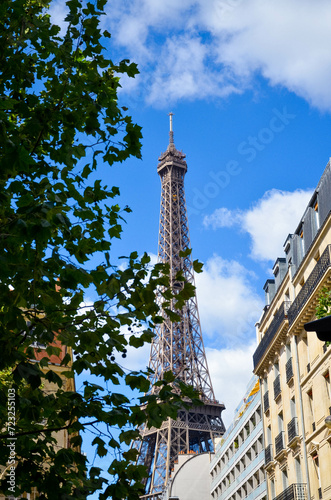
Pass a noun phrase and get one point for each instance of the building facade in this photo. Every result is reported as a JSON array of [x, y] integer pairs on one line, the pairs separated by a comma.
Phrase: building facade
[[237, 469], [68, 384], [293, 365]]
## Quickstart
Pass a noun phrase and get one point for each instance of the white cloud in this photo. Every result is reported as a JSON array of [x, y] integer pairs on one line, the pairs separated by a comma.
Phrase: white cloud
[[228, 303], [230, 370], [268, 222], [223, 217], [136, 359], [183, 74], [198, 49], [286, 41], [58, 12]]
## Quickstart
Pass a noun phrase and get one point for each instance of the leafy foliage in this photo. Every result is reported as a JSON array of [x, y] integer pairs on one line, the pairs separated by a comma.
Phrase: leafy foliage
[[324, 303], [323, 307], [59, 120]]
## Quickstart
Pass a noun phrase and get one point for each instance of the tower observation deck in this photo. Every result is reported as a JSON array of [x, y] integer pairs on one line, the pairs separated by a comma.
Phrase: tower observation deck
[[178, 346]]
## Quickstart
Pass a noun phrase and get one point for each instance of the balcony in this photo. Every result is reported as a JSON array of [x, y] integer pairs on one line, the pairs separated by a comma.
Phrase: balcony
[[292, 431], [268, 456], [280, 442], [289, 370], [310, 285], [266, 404], [258, 492], [256, 463], [277, 388], [269, 335], [293, 492], [152, 496]]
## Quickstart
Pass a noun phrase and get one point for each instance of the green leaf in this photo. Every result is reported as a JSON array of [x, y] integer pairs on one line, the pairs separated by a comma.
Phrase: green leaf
[[197, 266], [169, 377], [185, 253], [53, 378], [61, 127], [101, 449], [136, 381]]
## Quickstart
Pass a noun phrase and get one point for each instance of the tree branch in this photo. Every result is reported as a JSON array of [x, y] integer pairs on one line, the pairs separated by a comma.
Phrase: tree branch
[[41, 431]]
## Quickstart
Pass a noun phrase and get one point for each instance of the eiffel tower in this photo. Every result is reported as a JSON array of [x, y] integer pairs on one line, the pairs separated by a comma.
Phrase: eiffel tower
[[178, 346]]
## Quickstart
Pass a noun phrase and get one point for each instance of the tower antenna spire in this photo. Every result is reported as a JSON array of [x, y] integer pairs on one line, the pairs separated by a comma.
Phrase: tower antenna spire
[[171, 133]]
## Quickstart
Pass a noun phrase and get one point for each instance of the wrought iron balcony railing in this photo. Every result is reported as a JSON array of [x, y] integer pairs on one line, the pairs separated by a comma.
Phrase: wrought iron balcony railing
[[289, 370], [280, 442], [279, 317], [266, 404], [310, 285], [277, 388], [292, 429], [293, 492], [268, 455]]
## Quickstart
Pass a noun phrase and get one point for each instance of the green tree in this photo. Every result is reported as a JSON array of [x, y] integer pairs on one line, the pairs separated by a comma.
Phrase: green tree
[[59, 119], [323, 307]]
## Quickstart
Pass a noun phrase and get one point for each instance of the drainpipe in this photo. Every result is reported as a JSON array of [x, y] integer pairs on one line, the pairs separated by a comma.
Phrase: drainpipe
[[305, 458]]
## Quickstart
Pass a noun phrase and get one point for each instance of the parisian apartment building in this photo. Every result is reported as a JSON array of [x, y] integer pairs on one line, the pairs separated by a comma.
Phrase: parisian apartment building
[[293, 366], [237, 468]]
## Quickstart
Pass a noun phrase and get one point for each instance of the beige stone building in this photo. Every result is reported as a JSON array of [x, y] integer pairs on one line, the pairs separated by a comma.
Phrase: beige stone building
[[62, 437], [294, 366], [237, 468]]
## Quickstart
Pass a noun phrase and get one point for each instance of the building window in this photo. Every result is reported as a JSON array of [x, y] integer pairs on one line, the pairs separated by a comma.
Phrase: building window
[[304, 356], [293, 407], [317, 220], [280, 422], [311, 423], [302, 242], [277, 387], [326, 377], [317, 472], [284, 479], [298, 471], [288, 351], [272, 489]]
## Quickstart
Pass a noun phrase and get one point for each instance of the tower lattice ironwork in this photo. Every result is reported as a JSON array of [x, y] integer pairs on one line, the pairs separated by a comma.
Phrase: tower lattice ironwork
[[178, 346]]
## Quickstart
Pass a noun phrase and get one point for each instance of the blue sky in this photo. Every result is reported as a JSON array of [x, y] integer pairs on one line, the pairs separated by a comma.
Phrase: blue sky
[[249, 85], [239, 220]]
